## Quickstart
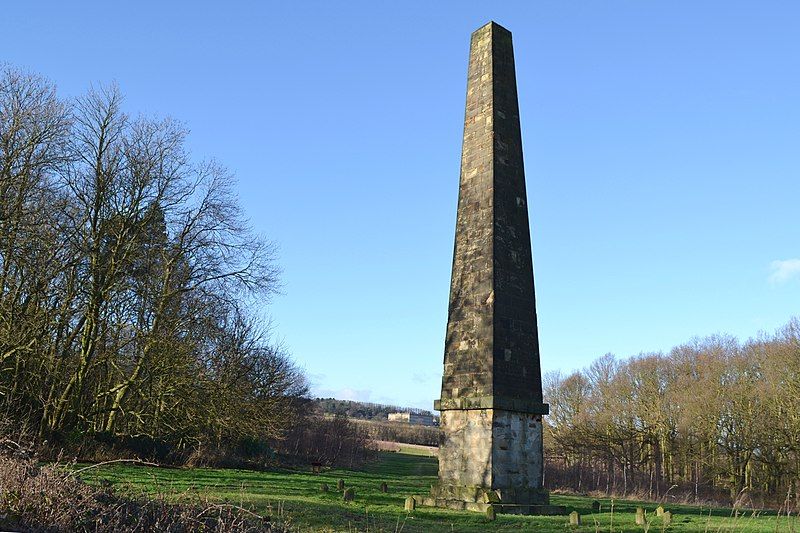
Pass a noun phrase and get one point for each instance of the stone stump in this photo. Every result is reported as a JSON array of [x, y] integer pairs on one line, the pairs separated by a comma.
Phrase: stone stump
[[410, 504], [491, 513]]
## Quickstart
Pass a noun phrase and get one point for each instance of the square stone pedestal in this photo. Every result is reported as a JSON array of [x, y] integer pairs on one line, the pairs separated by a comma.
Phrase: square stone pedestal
[[491, 458]]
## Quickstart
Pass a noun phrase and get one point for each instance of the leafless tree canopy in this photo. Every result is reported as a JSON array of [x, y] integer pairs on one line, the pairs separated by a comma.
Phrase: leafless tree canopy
[[123, 268], [711, 418]]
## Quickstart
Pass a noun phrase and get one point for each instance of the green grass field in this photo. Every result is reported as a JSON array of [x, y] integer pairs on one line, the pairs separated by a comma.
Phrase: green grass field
[[297, 497]]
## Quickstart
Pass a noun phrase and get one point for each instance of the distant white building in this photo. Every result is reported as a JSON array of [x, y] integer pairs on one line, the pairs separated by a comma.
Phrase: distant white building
[[412, 418]]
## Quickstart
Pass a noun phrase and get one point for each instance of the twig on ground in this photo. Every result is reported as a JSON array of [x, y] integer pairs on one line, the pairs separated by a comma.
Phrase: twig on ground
[[96, 465]]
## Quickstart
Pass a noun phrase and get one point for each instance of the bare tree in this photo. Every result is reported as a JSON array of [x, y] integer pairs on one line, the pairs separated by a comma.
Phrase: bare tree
[[127, 269]]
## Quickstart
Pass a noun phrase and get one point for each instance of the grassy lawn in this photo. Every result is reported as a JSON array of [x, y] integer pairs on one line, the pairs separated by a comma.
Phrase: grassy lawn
[[296, 495]]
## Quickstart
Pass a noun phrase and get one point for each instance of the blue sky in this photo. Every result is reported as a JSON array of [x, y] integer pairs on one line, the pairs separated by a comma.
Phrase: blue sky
[[662, 146]]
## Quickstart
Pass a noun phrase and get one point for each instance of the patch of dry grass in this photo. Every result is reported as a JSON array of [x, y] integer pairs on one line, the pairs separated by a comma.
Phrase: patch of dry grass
[[52, 498]]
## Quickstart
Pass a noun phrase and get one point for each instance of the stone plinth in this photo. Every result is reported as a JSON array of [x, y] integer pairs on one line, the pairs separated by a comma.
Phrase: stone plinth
[[495, 450]]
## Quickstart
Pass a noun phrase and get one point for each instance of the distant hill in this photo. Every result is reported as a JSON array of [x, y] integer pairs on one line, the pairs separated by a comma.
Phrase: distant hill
[[362, 410]]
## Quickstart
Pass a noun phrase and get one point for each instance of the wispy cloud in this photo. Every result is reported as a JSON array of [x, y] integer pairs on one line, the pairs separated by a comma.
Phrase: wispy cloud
[[423, 377], [784, 270]]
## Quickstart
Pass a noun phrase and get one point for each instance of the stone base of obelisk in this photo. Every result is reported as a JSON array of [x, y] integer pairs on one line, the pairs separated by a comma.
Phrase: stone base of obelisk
[[504, 508], [480, 499], [491, 458]]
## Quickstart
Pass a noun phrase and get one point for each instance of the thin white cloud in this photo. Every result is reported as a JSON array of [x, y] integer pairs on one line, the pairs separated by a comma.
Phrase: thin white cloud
[[784, 270], [423, 377]]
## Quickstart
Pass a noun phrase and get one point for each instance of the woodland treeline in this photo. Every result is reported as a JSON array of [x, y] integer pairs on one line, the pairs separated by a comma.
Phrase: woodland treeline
[[362, 410], [712, 418], [125, 271]]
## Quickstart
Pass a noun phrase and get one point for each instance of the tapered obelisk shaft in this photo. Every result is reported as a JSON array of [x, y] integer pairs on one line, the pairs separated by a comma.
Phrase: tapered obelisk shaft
[[491, 398]]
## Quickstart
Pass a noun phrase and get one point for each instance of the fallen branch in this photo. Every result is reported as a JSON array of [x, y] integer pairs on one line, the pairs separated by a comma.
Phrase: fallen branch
[[85, 468], [228, 506]]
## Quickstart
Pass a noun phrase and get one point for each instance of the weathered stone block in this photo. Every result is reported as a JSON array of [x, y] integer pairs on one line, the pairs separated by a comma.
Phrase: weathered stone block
[[491, 514], [411, 503]]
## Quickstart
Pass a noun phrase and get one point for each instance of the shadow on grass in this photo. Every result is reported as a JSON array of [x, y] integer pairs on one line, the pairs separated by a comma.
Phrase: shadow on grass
[[583, 505]]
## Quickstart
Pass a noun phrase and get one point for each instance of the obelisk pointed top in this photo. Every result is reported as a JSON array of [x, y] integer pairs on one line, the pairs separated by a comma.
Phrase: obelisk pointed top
[[491, 25]]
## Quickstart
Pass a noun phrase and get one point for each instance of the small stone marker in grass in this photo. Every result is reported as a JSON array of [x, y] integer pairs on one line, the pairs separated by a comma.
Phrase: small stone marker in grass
[[410, 503], [491, 514], [340, 485], [324, 487], [666, 518], [574, 518], [595, 506], [640, 516], [349, 495], [384, 487], [659, 511]]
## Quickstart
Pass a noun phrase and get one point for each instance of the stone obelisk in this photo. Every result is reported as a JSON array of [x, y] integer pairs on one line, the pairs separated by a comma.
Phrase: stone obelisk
[[491, 404]]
